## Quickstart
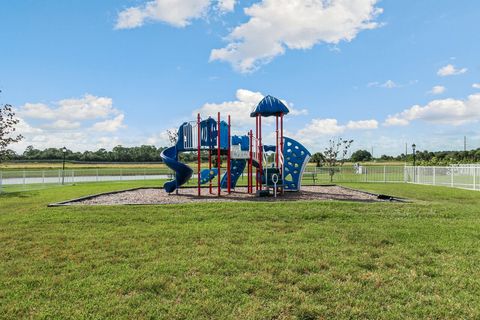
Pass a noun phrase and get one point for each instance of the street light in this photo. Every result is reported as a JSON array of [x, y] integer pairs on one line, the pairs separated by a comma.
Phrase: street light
[[414, 154], [414, 168], [64, 151]]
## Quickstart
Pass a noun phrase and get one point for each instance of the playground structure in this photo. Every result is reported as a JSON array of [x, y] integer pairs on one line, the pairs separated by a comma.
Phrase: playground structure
[[211, 135]]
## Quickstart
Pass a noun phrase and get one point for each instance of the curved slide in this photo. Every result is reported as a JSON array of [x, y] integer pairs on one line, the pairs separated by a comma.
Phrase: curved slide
[[183, 173]]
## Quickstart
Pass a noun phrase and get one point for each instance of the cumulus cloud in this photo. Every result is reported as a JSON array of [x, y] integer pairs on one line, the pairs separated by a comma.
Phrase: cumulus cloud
[[161, 138], [226, 5], [177, 13], [447, 111], [276, 25], [86, 108], [110, 125], [476, 85], [362, 125], [63, 125], [240, 109], [75, 122], [321, 128], [450, 70], [437, 90]]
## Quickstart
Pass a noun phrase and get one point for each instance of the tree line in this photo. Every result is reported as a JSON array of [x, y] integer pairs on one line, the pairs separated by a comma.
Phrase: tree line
[[144, 153], [422, 158]]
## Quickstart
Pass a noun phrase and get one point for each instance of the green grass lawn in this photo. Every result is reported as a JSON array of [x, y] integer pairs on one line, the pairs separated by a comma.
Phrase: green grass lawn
[[297, 260]]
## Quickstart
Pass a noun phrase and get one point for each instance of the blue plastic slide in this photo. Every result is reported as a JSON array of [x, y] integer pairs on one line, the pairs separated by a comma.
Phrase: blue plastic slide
[[183, 173], [236, 168]]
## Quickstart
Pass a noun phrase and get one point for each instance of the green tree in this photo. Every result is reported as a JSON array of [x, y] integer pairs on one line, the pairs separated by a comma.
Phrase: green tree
[[8, 124], [361, 155], [318, 158], [335, 154]]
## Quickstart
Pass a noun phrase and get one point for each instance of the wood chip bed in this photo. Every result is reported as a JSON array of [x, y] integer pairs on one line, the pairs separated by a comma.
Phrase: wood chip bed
[[188, 195]]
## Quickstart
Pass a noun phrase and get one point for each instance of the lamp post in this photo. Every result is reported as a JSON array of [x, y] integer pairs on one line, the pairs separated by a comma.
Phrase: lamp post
[[414, 168], [414, 154], [64, 151]]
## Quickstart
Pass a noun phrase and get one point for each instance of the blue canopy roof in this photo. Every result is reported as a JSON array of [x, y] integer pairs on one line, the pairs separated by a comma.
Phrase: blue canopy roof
[[269, 106]]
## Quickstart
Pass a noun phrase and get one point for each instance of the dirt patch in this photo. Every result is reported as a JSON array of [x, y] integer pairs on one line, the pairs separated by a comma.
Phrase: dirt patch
[[187, 195]]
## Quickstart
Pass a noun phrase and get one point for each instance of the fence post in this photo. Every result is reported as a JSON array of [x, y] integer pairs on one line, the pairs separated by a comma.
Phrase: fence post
[[96, 179], [23, 177], [144, 174], [121, 174], [451, 176], [73, 176], [384, 174], [366, 174], [1, 181], [434, 180], [474, 178]]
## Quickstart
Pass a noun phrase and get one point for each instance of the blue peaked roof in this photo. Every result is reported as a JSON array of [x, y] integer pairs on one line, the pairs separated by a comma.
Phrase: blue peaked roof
[[269, 106]]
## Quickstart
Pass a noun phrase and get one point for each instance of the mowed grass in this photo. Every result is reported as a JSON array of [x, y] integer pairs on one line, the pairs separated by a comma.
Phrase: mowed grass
[[296, 260]]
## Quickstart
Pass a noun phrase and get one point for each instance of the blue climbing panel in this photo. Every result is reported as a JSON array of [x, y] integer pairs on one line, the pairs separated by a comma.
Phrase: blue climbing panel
[[207, 175], [296, 157], [236, 168]]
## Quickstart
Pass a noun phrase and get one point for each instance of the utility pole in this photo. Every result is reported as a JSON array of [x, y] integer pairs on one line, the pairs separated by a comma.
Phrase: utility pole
[[464, 143]]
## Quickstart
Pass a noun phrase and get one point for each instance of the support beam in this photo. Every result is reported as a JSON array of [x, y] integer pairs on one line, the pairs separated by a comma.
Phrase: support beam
[[250, 164], [282, 147], [229, 173], [260, 155], [256, 151], [218, 156], [199, 141], [276, 140]]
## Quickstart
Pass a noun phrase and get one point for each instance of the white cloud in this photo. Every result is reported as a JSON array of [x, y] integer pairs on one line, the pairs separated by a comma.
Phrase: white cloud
[[437, 90], [63, 125], [446, 111], [275, 25], [389, 84], [240, 109], [476, 85], [362, 124], [86, 108], [24, 128], [226, 5], [177, 13], [110, 125], [450, 70], [161, 138], [321, 128], [74, 123]]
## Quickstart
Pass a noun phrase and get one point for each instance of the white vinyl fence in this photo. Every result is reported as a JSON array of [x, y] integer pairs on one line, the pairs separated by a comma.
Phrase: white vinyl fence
[[34, 179], [467, 177]]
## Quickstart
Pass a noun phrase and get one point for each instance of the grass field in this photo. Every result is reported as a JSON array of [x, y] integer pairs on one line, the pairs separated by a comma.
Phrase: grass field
[[308, 260]]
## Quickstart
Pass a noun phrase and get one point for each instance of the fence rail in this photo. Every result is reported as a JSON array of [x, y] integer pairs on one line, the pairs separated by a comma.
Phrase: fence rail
[[467, 177]]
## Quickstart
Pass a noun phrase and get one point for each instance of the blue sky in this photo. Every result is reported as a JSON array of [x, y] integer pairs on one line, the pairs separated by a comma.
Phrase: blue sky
[[90, 74]]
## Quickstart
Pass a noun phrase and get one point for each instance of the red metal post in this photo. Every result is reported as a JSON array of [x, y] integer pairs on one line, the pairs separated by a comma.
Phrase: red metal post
[[281, 146], [198, 154], [250, 165], [260, 156], [256, 152], [229, 174], [210, 165], [276, 140], [218, 155]]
